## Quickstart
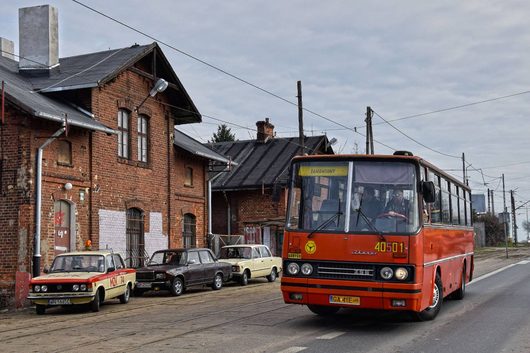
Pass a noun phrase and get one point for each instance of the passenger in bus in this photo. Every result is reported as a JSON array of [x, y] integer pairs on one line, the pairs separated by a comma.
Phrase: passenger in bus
[[398, 204], [371, 206]]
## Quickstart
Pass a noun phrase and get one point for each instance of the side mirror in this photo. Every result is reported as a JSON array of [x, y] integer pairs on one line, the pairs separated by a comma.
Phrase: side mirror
[[192, 262], [111, 269], [428, 191], [45, 270]]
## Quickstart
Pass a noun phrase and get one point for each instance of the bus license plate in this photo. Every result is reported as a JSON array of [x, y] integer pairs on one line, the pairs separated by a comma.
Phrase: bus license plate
[[340, 299], [65, 301]]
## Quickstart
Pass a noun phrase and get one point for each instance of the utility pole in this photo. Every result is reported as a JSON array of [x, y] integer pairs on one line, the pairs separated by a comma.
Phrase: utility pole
[[514, 220], [489, 202], [505, 210], [464, 168], [492, 203], [300, 119], [369, 131]]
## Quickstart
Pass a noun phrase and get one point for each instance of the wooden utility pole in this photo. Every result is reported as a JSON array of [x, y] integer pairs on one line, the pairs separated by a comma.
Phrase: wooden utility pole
[[489, 202], [369, 132], [300, 118], [464, 168], [505, 211]]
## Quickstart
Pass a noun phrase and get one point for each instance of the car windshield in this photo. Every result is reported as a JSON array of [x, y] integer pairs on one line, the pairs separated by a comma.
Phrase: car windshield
[[236, 253], [78, 263], [168, 258]]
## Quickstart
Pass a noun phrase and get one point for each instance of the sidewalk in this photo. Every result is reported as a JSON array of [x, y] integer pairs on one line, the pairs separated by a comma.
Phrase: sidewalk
[[490, 259]]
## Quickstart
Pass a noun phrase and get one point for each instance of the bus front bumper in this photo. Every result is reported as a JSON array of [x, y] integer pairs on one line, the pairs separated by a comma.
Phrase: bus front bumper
[[352, 294]]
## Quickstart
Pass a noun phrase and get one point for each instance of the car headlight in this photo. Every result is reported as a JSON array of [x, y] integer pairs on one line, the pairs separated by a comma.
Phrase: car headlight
[[386, 273], [236, 268], [44, 288], [307, 269], [75, 287], [293, 268], [160, 276], [83, 287], [37, 288], [401, 273]]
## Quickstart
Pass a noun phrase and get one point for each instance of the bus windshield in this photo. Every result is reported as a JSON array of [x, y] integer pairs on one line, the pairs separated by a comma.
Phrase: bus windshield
[[354, 196]]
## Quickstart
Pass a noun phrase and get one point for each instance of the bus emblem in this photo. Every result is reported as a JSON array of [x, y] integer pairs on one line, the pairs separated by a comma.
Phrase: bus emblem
[[310, 247]]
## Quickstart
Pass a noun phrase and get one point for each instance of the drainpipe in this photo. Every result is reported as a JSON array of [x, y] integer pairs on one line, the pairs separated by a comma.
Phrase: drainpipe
[[210, 200], [38, 200]]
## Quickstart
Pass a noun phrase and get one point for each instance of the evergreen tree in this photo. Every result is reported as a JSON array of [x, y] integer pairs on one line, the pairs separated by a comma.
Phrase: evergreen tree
[[223, 134]]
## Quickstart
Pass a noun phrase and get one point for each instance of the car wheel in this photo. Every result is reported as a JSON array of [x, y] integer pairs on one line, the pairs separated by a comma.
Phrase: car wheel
[[437, 299], [94, 305], [244, 278], [124, 298], [323, 310], [217, 282], [177, 287], [40, 309], [272, 276]]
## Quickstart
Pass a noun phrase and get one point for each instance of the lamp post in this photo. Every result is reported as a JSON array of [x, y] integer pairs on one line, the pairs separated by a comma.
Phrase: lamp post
[[160, 86]]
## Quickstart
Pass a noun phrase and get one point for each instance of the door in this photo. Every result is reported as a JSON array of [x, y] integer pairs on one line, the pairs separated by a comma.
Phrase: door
[[62, 226], [209, 265], [135, 247], [195, 268]]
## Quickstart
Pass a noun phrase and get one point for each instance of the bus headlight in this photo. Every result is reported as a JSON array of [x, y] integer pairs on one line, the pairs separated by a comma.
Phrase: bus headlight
[[293, 268], [386, 273], [401, 273], [307, 269]]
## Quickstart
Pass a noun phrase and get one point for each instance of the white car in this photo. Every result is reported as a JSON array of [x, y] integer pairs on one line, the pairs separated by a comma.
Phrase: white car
[[251, 261]]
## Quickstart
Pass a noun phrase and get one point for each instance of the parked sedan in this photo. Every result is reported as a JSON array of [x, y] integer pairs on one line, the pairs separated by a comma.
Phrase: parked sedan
[[178, 269], [251, 261]]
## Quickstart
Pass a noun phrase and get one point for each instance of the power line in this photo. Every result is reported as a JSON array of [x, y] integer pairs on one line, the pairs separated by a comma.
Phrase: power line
[[419, 143]]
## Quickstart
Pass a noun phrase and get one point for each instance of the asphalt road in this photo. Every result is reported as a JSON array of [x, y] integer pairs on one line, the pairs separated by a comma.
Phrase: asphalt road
[[494, 317]]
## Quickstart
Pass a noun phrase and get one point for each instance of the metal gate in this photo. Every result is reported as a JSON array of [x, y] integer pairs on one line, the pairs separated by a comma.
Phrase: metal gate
[[135, 256]]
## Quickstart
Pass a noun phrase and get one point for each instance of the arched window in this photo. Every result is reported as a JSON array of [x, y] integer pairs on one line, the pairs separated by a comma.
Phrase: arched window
[[143, 138], [189, 231], [123, 133], [64, 152], [135, 238]]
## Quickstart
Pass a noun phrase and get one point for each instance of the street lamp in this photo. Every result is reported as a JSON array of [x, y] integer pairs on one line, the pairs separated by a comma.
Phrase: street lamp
[[160, 86]]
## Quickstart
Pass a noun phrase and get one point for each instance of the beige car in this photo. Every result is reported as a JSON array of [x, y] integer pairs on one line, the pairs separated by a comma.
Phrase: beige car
[[251, 261], [84, 277]]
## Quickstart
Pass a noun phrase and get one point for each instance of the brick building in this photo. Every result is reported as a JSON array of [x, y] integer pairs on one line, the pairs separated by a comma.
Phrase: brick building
[[251, 198], [119, 175]]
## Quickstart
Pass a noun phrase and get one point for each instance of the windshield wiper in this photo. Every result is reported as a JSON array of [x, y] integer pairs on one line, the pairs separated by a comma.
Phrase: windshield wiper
[[369, 222], [326, 223]]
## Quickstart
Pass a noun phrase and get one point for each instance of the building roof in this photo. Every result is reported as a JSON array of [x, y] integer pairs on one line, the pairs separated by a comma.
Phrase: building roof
[[89, 71], [196, 148], [19, 91], [262, 164]]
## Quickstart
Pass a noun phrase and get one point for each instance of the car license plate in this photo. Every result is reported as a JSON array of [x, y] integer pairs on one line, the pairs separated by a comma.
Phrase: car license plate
[[340, 299], [143, 285], [65, 301]]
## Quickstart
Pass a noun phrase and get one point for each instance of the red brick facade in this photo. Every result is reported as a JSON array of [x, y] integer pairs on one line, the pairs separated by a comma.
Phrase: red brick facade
[[100, 179]]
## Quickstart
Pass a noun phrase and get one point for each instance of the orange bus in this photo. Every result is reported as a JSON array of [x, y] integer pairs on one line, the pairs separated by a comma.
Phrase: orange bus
[[389, 232]]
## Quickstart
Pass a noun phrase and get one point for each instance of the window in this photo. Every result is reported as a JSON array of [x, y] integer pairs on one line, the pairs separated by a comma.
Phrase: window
[[255, 253], [142, 138], [118, 261], [446, 205], [265, 252], [123, 133], [64, 152], [206, 257], [189, 230], [188, 178], [193, 257]]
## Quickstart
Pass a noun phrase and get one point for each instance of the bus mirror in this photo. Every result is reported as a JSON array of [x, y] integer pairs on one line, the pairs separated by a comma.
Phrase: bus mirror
[[429, 193]]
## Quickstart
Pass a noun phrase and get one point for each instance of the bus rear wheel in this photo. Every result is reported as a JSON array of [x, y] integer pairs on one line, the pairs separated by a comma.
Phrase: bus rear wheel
[[323, 310], [437, 299]]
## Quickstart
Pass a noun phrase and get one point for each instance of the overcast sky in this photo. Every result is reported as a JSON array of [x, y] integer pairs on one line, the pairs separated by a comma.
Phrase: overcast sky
[[401, 58]]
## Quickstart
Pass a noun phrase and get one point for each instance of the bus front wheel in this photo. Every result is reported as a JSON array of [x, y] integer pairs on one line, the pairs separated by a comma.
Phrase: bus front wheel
[[323, 310], [437, 298]]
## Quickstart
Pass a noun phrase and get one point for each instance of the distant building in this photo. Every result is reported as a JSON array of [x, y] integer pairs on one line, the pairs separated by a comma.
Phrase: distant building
[[478, 203]]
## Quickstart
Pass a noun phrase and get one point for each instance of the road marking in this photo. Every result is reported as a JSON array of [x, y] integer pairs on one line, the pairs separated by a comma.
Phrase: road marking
[[293, 350], [330, 336], [524, 262], [475, 280]]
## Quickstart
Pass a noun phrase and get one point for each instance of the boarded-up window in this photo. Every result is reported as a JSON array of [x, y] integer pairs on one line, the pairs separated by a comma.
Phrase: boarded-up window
[[64, 152], [188, 178]]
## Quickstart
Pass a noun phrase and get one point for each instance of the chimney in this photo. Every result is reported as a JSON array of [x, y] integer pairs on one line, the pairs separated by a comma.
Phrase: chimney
[[265, 130], [39, 39], [7, 48]]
